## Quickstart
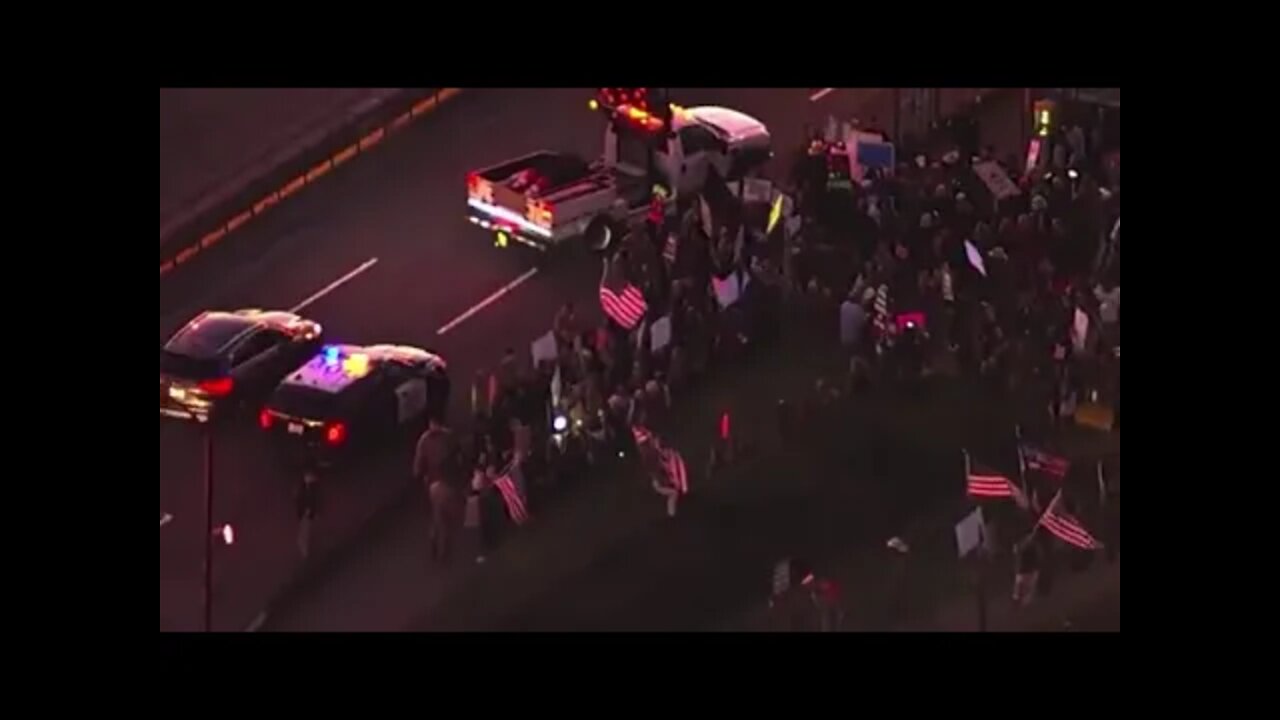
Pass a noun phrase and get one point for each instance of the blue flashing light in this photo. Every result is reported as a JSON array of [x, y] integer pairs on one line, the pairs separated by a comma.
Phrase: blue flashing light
[[331, 353]]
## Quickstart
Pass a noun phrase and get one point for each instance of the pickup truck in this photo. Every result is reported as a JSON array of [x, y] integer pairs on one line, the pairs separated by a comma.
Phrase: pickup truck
[[545, 198]]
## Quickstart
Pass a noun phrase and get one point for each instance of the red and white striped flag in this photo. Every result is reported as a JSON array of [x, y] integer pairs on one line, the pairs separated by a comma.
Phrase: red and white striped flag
[[641, 434], [513, 496], [1066, 527], [626, 308], [1041, 461], [983, 482], [673, 465]]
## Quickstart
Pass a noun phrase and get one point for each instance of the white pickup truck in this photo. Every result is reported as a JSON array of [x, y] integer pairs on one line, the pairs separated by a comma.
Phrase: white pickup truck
[[545, 198]]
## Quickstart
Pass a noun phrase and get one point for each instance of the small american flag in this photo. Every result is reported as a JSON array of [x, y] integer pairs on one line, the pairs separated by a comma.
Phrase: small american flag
[[880, 314], [513, 495], [1066, 527], [982, 482], [1041, 461], [626, 308], [641, 434], [673, 465], [669, 250]]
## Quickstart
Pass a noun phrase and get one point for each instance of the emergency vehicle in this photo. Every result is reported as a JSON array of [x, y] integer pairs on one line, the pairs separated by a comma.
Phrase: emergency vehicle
[[546, 197], [349, 396], [220, 359]]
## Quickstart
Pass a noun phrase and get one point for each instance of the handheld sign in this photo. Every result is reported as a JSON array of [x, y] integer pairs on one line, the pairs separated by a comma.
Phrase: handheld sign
[[996, 180], [975, 258], [544, 348], [660, 333], [969, 532], [1080, 330]]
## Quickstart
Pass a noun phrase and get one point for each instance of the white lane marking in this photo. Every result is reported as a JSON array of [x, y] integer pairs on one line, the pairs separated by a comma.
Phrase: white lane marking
[[335, 285], [165, 519], [487, 301], [821, 94]]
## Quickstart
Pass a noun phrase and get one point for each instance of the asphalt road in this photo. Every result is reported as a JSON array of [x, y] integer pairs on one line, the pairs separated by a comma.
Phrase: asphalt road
[[402, 205]]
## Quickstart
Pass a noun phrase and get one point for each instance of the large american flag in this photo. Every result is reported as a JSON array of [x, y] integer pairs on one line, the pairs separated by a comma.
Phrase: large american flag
[[513, 495], [1066, 527], [1042, 461], [626, 307]]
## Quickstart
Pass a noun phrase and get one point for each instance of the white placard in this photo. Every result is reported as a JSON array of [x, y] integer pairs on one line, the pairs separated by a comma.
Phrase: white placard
[[1080, 330], [727, 290], [996, 180], [975, 257], [660, 333], [544, 348], [969, 532], [411, 399], [781, 577]]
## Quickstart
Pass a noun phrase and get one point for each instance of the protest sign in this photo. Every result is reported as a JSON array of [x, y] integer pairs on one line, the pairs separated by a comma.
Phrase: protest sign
[[996, 180], [660, 333], [544, 348]]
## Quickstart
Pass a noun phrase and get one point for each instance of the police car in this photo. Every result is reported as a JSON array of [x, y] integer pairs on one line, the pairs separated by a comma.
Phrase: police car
[[349, 396], [224, 358]]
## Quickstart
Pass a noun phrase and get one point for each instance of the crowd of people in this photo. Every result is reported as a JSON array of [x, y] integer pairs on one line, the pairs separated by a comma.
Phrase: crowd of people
[[607, 395], [928, 273]]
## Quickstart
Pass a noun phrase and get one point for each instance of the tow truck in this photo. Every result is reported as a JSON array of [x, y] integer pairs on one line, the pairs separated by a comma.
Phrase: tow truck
[[545, 198]]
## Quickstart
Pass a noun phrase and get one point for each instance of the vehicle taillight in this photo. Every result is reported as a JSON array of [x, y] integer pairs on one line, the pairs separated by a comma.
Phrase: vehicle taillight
[[335, 433], [218, 387], [266, 419], [473, 182]]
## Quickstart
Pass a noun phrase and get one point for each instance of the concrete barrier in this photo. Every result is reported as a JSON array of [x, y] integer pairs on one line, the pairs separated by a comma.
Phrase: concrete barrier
[[306, 161]]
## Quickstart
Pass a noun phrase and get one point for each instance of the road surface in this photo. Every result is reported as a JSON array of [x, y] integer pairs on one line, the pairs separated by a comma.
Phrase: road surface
[[398, 213]]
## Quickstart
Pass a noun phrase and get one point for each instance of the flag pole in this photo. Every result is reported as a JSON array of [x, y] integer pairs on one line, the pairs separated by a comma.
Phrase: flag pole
[[1022, 462], [1102, 486]]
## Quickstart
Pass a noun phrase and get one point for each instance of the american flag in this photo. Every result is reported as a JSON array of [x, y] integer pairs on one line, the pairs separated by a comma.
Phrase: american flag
[[513, 495], [673, 465], [1066, 527], [669, 250], [641, 434], [983, 482], [880, 315], [626, 308], [1041, 461]]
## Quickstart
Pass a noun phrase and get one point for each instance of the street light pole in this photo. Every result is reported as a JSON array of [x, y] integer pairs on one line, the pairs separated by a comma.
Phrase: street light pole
[[208, 527]]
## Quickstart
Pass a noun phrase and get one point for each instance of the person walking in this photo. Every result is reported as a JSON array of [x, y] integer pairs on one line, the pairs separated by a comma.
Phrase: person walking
[[447, 516], [307, 504]]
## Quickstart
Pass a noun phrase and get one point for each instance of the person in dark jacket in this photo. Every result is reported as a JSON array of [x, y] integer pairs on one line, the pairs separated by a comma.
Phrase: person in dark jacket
[[307, 505]]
